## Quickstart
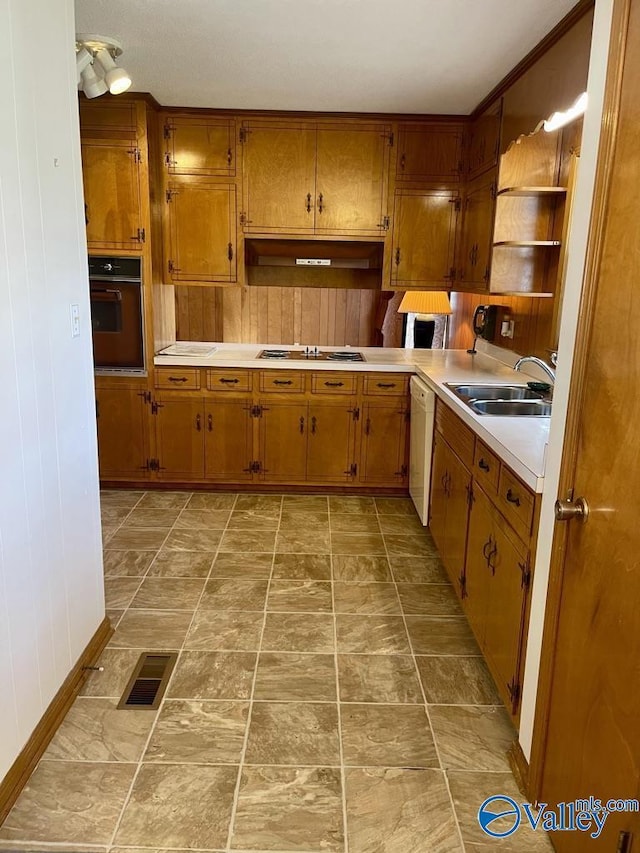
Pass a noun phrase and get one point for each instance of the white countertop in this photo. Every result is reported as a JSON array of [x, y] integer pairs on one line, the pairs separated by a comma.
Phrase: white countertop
[[521, 442]]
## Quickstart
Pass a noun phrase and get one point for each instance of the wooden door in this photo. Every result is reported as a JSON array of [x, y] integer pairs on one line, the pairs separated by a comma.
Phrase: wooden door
[[455, 540], [429, 153], [283, 441], [279, 161], [383, 454], [474, 261], [484, 141], [123, 431], [111, 179], [438, 497], [200, 145], [180, 438], [351, 184], [331, 451], [201, 232], [477, 575], [424, 235], [228, 448], [591, 660]]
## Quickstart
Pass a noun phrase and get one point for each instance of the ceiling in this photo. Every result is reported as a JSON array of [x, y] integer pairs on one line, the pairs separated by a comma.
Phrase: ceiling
[[408, 56]]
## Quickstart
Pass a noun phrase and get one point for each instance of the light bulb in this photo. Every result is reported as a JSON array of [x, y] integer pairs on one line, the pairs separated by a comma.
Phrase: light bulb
[[116, 78]]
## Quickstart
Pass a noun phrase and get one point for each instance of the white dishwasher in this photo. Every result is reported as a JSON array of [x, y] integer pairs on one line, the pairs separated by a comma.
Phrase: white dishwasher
[[423, 406]]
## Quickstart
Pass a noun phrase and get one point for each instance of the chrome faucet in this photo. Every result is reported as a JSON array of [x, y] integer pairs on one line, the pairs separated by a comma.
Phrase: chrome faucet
[[532, 359]]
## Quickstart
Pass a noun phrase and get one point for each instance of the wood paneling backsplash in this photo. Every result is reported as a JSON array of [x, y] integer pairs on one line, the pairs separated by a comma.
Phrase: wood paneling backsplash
[[277, 315]]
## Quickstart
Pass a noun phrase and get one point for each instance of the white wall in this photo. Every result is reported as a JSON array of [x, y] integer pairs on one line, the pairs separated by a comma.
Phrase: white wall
[[577, 243], [51, 598]]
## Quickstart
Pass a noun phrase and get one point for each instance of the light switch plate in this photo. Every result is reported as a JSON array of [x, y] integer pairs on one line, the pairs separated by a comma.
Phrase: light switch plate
[[75, 320]]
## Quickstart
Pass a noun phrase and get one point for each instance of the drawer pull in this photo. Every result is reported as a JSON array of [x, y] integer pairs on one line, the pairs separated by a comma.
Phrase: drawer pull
[[386, 385], [484, 466], [513, 499], [229, 381], [282, 382], [334, 384], [177, 378]]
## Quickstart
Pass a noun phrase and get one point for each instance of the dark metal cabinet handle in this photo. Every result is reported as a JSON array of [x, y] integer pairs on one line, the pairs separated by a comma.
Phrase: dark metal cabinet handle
[[210, 423], [397, 258], [308, 202], [367, 426], [282, 382], [198, 423], [513, 499], [386, 385], [301, 425], [229, 381], [177, 378], [230, 251], [313, 425], [86, 214], [334, 384], [403, 162], [320, 203], [484, 466], [493, 553], [229, 156]]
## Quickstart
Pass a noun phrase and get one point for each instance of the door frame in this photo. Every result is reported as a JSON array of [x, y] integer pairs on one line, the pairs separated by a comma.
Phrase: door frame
[[590, 283]]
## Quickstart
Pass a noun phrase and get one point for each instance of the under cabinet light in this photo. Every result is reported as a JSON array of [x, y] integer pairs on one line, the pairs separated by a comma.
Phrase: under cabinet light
[[560, 119]]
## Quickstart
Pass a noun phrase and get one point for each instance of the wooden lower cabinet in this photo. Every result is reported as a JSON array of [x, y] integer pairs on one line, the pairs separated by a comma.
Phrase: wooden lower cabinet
[[123, 433], [282, 450], [496, 593], [228, 440], [384, 449], [451, 482], [180, 438], [330, 453]]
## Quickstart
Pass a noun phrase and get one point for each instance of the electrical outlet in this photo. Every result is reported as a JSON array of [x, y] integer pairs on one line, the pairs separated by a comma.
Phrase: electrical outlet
[[75, 320]]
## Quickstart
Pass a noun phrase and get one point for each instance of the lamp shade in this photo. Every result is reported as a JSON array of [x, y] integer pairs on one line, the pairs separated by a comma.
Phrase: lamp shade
[[425, 302]]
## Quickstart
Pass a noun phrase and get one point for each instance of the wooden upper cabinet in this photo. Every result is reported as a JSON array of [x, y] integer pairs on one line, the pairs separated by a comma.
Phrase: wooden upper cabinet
[[305, 178], [111, 178], [200, 236], [484, 141], [279, 161], [474, 257], [429, 153], [424, 236], [351, 179], [200, 146]]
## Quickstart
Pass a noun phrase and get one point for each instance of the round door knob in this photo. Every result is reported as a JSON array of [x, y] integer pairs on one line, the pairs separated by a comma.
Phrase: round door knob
[[567, 509]]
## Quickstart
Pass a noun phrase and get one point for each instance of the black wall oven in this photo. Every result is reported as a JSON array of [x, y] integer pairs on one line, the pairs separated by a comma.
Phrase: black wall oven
[[117, 317]]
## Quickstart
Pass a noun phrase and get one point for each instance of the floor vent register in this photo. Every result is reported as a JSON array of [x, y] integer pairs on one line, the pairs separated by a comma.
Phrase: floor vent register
[[148, 682]]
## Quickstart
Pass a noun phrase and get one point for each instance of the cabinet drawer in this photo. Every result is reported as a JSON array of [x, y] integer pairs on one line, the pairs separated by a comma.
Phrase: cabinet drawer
[[183, 379], [486, 467], [516, 503], [229, 380], [457, 435], [282, 380], [385, 384], [333, 383]]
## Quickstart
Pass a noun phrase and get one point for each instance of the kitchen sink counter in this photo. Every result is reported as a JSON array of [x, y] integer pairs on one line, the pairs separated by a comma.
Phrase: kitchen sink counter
[[521, 442]]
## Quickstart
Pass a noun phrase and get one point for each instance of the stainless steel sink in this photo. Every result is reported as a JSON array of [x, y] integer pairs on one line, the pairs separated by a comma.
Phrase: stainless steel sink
[[494, 392], [510, 408]]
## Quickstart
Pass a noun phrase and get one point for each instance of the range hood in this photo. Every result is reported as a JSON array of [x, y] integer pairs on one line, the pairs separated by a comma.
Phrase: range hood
[[308, 254]]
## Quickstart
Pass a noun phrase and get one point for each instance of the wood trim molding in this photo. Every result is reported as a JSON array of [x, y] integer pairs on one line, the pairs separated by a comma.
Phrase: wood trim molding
[[23, 766], [561, 29], [599, 215], [519, 766]]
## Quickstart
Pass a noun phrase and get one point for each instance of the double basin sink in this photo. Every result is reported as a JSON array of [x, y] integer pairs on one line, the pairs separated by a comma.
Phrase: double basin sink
[[504, 400]]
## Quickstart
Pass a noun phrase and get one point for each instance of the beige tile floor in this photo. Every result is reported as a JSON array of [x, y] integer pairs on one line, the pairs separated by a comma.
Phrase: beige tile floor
[[328, 694]]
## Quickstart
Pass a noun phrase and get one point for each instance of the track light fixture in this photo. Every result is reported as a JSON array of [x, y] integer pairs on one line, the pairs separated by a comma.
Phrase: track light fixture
[[97, 69]]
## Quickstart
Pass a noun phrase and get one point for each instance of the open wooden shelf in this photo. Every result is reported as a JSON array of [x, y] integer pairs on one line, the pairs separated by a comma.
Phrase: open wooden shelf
[[519, 244], [532, 191]]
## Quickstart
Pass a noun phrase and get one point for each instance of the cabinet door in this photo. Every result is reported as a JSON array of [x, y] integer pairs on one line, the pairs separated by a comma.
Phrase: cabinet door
[[180, 438], [455, 543], [279, 162], [484, 141], [477, 230], [438, 497], [201, 232], [351, 185], [200, 146], [111, 178], [228, 448], [429, 153], [283, 441], [383, 456], [331, 451], [424, 234], [481, 545], [123, 432]]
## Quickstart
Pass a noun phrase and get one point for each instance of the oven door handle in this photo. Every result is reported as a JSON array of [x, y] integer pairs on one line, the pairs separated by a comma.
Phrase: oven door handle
[[110, 293]]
